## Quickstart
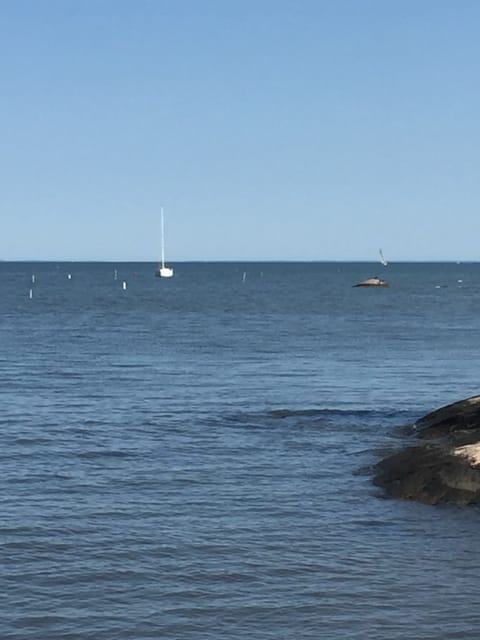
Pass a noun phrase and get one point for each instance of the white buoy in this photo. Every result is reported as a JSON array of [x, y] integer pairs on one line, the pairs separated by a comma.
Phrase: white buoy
[[124, 285], [69, 276], [30, 295]]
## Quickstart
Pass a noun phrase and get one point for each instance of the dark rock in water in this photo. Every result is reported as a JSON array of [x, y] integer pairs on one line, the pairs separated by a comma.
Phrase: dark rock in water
[[372, 282], [459, 416], [432, 474], [447, 471]]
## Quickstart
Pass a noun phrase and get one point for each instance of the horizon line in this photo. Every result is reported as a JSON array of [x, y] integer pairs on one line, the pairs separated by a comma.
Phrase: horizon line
[[240, 260]]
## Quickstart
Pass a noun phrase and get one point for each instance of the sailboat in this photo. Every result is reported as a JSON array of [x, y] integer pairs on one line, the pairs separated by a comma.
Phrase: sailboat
[[163, 271], [382, 258]]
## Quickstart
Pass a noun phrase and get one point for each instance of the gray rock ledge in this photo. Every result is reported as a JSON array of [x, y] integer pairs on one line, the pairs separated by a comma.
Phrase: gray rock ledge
[[445, 466], [372, 282]]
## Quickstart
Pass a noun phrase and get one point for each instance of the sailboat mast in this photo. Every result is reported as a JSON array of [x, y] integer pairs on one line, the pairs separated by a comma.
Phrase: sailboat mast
[[163, 243]]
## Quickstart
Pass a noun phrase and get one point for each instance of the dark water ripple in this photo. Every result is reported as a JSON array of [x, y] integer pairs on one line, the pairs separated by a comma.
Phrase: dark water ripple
[[191, 460]]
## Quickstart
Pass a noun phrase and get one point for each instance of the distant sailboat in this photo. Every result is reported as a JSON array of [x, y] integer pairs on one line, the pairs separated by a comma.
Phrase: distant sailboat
[[382, 258], [163, 271]]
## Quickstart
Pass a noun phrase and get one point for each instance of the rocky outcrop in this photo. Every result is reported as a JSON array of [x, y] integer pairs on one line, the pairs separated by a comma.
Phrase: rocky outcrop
[[372, 282], [460, 419], [446, 468]]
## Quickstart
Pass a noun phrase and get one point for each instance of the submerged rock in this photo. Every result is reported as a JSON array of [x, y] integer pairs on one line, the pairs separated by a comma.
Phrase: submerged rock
[[445, 471]]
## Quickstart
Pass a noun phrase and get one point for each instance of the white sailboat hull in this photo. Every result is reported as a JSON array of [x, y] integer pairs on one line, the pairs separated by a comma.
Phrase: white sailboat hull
[[164, 272]]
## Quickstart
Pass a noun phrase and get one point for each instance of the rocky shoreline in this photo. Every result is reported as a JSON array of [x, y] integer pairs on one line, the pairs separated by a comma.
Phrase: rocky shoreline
[[445, 467]]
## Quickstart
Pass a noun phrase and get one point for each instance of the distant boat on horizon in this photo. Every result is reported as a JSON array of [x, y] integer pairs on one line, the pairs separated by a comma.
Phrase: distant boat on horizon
[[382, 258], [163, 271]]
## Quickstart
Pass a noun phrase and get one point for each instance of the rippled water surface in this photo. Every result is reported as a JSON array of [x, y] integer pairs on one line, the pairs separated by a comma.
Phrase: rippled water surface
[[189, 459]]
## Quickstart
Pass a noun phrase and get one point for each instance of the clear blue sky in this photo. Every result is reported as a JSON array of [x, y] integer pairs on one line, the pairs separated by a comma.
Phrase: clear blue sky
[[268, 129]]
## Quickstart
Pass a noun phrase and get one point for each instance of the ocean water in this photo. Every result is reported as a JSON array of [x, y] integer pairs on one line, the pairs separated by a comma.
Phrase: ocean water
[[190, 459]]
